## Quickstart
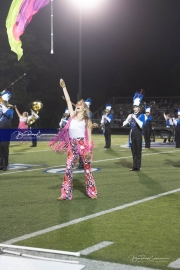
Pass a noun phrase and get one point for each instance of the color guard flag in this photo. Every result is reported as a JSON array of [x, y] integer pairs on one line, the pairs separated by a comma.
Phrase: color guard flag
[[19, 16]]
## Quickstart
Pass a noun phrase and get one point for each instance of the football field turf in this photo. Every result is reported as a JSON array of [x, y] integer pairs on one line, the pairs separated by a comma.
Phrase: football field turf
[[138, 213]]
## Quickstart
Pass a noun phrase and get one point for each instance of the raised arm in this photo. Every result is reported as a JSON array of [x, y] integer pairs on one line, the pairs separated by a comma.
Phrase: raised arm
[[67, 97], [18, 113]]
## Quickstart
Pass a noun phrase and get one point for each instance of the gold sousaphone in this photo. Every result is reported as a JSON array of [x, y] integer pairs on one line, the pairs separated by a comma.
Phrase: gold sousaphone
[[36, 106]]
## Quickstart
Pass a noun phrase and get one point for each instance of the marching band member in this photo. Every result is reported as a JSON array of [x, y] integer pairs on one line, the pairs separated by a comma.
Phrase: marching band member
[[22, 119], [169, 123], [75, 138], [6, 116], [33, 124], [88, 103], [136, 122], [148, 127], [64, 119], [106, 120], [177, 129]]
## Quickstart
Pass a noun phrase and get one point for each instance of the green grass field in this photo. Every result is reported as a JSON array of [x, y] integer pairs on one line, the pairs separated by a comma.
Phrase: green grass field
[[144, 229]]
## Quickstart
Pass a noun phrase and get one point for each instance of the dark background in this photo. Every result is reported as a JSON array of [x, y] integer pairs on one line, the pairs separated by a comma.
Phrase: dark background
[[126, 45]]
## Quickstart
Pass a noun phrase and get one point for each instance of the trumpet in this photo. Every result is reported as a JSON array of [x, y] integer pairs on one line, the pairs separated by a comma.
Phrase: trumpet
[[10, 106]]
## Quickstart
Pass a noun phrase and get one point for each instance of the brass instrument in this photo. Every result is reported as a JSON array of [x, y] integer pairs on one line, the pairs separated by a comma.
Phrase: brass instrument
[[35, 106], [6, 103], [10, 106]]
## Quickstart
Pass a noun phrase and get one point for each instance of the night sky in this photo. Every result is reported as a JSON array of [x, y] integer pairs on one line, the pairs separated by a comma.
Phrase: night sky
[[126, 45]]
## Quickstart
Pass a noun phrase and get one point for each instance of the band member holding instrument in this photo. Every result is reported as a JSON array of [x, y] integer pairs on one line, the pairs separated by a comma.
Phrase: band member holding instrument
[[136, 122], [6, 116], [169, 124], [106, 120], [33, 124], [75, 138], [64, 119], [33, 121], [147, 127]]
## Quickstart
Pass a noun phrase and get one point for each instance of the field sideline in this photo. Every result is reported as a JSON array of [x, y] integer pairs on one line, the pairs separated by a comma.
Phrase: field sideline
[[137, 211]]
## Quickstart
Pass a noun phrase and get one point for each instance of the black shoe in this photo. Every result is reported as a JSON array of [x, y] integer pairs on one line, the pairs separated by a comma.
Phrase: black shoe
[[5, 168], [33, 146], [133, 169], [1, 167], [105, 146]]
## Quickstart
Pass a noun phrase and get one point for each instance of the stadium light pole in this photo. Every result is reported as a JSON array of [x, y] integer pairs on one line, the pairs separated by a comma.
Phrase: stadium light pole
[[83, 5]]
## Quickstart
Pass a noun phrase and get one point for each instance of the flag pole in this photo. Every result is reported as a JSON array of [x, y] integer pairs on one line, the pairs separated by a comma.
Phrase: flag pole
[[52, 37]]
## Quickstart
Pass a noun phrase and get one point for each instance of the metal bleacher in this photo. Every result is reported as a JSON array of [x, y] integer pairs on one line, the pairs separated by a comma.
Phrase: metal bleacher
[[122, 106]]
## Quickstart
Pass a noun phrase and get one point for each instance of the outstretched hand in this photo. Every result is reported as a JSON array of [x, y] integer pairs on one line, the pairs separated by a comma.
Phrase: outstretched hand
[[62, 83]]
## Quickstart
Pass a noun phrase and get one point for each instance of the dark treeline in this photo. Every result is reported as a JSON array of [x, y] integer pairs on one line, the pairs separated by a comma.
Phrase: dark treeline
[[40, 83]]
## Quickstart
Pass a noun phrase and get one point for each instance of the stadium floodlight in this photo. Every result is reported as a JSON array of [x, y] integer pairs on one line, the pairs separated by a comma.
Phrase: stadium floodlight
[[87, 4]]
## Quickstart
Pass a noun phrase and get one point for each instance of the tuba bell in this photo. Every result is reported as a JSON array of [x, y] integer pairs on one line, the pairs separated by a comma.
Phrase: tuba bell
[[36, 106]]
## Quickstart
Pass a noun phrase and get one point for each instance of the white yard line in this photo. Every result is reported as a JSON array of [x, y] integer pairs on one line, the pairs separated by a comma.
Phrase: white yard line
[[96, 247], [76, 221], [95, 161], [42, 168], [150, 154]]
